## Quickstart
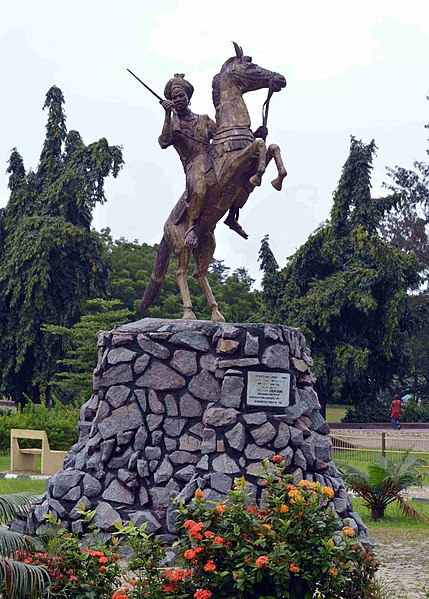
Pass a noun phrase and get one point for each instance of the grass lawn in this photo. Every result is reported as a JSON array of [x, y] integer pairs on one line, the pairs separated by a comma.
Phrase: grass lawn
[[394, 519], [334, 413], [21, 485]]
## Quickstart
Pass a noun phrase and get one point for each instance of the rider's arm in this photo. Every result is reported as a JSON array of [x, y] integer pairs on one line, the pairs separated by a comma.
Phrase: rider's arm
[[166, 138]]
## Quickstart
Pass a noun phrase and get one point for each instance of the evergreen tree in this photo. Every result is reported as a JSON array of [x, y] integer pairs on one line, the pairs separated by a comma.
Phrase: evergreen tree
[[51, 261], [346, 288]]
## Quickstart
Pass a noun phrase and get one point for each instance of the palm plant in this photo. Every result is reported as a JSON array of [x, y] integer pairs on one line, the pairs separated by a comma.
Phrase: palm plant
[[18, 579], [385, 482]]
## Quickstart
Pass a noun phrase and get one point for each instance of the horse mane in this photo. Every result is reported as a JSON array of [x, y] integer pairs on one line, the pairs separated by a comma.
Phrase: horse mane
[[216, 81]]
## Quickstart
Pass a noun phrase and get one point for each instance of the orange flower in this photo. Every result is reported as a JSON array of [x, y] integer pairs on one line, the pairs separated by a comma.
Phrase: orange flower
[[201, 594], [283, 509], [115, 556], [262, 561], [189, 523], [277, 458], [247, 560], [220, 508], [304, 483], [348, 531], [328, 492], [267, 526], [102, 569], [133, 582], [210, 566], [189, 554], [253, 510], [218, 541], [333, 572], [199, 494], [265, 483], [208, 534], [293, 567], [103, 560], [198, 549]]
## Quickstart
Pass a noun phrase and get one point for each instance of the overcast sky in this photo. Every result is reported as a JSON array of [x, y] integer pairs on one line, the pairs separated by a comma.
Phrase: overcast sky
[[353, 68]]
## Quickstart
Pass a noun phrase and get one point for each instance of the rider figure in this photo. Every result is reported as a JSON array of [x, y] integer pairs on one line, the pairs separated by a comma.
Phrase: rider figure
[[190, 135]]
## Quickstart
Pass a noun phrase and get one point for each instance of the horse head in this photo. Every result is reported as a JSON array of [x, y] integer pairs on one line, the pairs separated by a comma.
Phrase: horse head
[[242, 72]]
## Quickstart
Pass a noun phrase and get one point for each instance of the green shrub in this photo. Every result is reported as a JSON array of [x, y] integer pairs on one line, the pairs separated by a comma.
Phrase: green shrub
[[295, 546], [59, 422]]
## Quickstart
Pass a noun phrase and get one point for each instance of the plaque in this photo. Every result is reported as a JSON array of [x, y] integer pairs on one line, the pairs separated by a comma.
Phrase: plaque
[[268, 389]]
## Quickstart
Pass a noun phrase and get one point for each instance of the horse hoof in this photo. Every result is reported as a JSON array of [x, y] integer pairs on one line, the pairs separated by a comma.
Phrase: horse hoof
[[217, 316], [255, 180], [188, 314], [277, 183]]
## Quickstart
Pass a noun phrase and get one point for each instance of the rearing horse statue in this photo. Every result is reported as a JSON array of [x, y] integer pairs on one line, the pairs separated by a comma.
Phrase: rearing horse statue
[[239, 161]]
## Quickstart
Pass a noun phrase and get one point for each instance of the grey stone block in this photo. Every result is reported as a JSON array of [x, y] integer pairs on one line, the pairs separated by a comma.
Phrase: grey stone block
[[236, 437], [125, 418], [255, 418], [116, 375], [185, 362], [190, 407], [120, 354], [91, 486], [264, 434], [191, 340], [221, 482], [151, 347], [141, 364], [220, 416], [232, 391], [148, 518], [254, 452], [140, 439], [105, 516], [205, 386], [251, 346], [183, 457], [117, 492], [117, 395], [189, 443], [209, 441], [283, 436], [154, 421], [238, 363], [171, 405], [185, 474], [225, 464], [152, 453], [160, 377], [276, 356], [64, 481], [164, 472], [174, 426]]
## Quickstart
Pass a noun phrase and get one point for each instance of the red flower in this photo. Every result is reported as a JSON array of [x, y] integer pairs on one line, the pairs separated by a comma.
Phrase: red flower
[[262, 561], [103, 560], [210, 566], [293, 567], [102, 569], [199, 494], [201, 594], [277, 458]]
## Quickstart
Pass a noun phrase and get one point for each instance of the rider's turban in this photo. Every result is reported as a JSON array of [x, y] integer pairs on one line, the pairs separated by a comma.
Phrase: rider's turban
[[178, 81]]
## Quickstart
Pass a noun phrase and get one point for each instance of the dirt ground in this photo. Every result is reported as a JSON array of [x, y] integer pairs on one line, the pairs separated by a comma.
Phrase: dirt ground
[[404, 562]]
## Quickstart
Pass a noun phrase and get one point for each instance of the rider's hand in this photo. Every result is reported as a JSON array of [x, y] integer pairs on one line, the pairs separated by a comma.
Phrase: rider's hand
[[261, 132], [167, 105]]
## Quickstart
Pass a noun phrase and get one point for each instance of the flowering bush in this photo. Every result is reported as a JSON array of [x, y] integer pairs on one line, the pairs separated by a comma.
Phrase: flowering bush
[[77, 571], [293, 547]]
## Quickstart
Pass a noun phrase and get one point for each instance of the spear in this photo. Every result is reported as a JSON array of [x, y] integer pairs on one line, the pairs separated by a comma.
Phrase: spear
[[146, 86]]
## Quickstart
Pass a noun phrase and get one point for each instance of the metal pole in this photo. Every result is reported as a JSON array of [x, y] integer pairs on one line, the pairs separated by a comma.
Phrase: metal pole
[[383, 444]]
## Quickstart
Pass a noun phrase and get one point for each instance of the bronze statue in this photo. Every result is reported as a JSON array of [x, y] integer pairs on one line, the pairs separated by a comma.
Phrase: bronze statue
[[231, 165]]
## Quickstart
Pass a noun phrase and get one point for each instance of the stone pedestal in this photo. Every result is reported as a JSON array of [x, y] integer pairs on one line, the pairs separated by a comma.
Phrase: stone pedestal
[[174, 409]]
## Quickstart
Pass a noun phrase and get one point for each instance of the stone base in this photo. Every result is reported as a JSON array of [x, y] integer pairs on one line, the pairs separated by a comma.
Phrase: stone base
[[169, 414]]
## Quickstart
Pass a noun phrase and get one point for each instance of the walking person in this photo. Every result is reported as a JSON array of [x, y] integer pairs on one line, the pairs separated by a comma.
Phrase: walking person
[[395, 410]]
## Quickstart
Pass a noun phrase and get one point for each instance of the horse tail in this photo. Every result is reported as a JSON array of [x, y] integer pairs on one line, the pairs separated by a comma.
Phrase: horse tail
[[157, 277]]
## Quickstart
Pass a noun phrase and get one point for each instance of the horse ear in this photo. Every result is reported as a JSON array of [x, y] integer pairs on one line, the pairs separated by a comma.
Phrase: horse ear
[[238, 50]]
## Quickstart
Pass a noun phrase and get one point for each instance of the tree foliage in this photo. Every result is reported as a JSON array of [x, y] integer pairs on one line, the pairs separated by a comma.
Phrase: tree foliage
[[346, 288], [51, 261]]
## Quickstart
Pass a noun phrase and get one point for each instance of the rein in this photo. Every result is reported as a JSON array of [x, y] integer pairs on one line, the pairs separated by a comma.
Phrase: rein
[[266, 105]]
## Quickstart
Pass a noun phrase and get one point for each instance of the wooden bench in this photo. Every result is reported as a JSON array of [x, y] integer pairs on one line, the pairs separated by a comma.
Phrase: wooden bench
[[24, 460]]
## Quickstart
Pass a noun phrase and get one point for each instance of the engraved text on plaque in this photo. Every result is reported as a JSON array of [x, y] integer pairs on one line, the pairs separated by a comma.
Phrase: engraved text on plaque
[[270, 389]]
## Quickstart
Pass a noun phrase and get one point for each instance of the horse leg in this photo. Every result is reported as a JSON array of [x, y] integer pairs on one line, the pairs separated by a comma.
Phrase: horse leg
[[183, 256], [261, 149], [203, 254], [274, 152]]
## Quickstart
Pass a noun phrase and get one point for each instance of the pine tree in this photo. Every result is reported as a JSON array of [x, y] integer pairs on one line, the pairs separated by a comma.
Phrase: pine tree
[[51, 260], [346, 288]]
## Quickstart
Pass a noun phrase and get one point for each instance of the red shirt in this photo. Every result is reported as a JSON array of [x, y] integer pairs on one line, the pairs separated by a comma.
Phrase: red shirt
[[396, 408]]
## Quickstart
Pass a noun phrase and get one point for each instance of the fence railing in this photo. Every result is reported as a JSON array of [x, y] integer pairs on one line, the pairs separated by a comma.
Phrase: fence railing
[[364, 446]]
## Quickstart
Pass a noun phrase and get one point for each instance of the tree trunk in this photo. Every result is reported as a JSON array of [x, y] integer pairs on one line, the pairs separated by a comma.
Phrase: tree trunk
[[377, 510]]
